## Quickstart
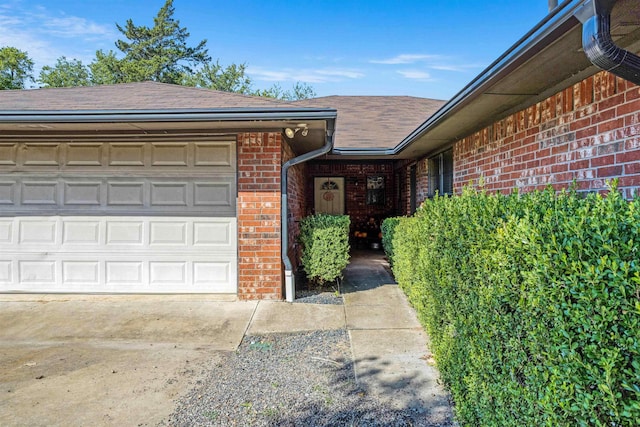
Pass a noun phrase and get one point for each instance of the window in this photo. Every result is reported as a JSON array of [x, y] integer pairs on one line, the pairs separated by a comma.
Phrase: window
[[330, 185], [375, 190], [441, 173]]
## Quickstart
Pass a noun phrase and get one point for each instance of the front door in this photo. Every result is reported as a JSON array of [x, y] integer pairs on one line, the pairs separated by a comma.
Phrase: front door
[[329, 195]]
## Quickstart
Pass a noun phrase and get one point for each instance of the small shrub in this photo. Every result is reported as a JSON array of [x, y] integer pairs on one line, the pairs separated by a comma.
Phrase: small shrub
[[325, 247], [388, 229]]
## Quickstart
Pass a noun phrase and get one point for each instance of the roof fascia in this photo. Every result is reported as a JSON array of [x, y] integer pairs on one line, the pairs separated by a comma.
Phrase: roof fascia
[[365, 152], [178, 115]]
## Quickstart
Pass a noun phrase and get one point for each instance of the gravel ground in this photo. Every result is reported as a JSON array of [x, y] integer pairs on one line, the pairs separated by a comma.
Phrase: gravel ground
[[318, 297], [303, 379]]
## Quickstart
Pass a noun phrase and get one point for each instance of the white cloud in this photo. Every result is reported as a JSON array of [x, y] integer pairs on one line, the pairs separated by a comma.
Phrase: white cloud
[[350, 74], [406, 58], [453, 67], [415, 74], [433, 62], [73, 26], [323, 75]]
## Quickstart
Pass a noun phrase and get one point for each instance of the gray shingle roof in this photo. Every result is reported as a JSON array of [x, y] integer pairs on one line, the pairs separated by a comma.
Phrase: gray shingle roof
[[129, 96], [375, 121]]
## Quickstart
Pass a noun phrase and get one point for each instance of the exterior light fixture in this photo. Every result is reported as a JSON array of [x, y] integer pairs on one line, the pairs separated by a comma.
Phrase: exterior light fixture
[[300, 127]]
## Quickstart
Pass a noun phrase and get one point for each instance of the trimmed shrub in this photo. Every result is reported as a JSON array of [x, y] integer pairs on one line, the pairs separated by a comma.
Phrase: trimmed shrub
[[532, 304], [325, 246], [388, 228]]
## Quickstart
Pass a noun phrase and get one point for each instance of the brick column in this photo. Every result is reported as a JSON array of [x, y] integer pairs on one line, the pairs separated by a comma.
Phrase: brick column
[[259, 262]]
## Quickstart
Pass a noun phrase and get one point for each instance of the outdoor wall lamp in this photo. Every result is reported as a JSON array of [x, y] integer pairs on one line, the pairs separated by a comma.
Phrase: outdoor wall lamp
[[302, 127]]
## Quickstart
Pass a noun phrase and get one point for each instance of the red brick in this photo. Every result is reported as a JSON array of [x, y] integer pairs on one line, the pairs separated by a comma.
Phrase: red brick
[[629, 181], [628, 108], [628, 156], [603, 160], [579, 164], [609, 171], [611, 125]]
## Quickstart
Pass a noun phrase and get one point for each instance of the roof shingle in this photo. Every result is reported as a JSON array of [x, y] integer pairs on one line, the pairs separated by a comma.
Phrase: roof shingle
[[375, 121], [129, 96]]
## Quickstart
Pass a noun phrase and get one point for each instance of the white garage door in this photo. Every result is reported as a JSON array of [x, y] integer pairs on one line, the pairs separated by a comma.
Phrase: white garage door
[[111, 216]]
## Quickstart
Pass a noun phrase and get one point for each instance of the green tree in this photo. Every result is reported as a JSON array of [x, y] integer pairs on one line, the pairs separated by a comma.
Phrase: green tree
[[159, 53], [105, 69], [16, 68], [66, 73], [299, 91], [213, 76]]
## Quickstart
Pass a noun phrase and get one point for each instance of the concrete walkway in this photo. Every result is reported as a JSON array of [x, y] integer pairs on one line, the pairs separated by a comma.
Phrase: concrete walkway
[[389, 346]]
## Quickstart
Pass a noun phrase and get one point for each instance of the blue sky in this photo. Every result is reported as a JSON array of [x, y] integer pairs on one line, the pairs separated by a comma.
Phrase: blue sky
[[428, 48]]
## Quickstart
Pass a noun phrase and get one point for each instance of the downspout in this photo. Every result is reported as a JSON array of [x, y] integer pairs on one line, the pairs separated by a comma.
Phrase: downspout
[[598, 45], [289, 282]]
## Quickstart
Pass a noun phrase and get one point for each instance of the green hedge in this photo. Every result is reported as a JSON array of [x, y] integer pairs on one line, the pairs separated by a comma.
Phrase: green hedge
[[325, 246], [532, 303], [388, 228]]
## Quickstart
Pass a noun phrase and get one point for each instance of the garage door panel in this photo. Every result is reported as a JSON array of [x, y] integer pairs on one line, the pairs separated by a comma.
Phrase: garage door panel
[[117, 275], [84, 154], [125, 232], [118, 254], [124, 273], [39, 192], [125, 194], [169, 194], [8, 154], [7, 192], [81, 232], [211, 234], [166, 272], [41, 272], [168, 233], [81, 273], [169, 154], [6, 272], [6, 232], [89, 234], [126, 154], [216, 156], [82, 193], [41, 154], [219, 194], [38, 231], [212, 197]]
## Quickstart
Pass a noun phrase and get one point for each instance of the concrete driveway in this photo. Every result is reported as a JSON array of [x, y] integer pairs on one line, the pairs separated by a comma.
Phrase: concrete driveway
[[108, 360]]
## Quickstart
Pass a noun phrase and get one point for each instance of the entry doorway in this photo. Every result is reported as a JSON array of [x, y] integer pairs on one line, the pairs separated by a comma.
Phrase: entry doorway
[[329, 195]]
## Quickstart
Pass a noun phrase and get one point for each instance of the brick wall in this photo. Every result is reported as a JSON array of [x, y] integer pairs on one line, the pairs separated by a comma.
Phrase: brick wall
[[589, 133], [422, 184], [259, 261], [355, 174]]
